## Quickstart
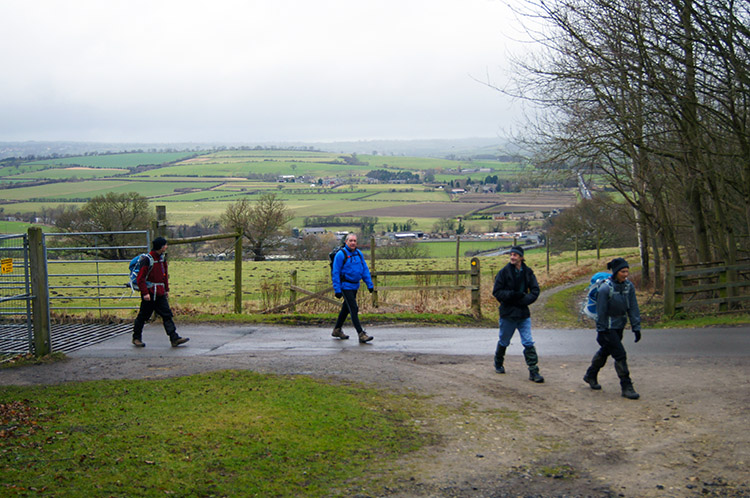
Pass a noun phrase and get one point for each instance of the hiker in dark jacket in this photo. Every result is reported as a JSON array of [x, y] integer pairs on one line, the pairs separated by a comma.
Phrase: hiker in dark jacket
[[349, 267], [153, 282], [515, 289], [615, 304]]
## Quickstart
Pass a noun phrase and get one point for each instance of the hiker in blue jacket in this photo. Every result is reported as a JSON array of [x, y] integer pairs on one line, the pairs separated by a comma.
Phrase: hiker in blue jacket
[[615, 304], [349, 267]]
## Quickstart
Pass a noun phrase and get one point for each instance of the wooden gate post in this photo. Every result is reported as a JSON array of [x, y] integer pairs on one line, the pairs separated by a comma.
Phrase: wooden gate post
[[476, 295], [40, 292]]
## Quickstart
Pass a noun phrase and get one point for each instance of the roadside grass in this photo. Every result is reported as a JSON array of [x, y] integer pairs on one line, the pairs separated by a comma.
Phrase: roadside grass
[[227, 433], [562, 310], [326, 319]]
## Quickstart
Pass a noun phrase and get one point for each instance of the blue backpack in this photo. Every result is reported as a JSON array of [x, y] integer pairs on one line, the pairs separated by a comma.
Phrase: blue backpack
[[592, 293], [135, 267]]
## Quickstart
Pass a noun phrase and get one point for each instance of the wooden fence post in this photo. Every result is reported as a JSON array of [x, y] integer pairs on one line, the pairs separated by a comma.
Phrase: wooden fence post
[[458, 253], [161, 221], [476, 295], [723, 279], [669, 294], [292, 290], [372, 269], [238, 273], [40, 292]]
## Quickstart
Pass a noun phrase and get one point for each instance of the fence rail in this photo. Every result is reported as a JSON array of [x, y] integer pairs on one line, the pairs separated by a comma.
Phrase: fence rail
[[706, 284], [472, 272]]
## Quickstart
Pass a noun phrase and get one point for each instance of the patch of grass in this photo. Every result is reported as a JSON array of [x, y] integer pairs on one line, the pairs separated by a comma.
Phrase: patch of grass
[[226, 433], [563, 308], [29, 359], [324, 319]]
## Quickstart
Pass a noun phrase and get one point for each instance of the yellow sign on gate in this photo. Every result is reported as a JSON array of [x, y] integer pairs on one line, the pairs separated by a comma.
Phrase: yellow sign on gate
[[6, 265]]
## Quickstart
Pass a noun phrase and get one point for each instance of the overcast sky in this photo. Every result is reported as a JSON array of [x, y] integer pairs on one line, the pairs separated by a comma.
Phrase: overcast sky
[[254, 70]]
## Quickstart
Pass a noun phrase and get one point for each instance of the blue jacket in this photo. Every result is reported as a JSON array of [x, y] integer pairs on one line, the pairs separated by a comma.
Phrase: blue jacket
[[349, 267], [613, 312]]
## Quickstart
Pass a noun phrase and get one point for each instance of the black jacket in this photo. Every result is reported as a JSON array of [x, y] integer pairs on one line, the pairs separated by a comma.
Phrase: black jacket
[[515, 291]]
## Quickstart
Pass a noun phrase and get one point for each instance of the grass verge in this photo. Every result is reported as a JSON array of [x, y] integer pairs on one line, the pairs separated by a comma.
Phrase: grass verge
[[325, 319], [229, 433]]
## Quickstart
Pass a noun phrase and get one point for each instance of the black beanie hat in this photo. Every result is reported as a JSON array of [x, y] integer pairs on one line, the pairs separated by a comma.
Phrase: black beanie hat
[[158, 243], [617, 264], [518, 250]]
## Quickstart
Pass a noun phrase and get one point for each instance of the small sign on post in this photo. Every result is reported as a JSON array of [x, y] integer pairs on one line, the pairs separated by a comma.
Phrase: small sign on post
[[6, 265]]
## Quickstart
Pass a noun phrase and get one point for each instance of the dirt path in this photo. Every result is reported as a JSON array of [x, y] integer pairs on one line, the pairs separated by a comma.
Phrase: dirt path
[[501, 435]]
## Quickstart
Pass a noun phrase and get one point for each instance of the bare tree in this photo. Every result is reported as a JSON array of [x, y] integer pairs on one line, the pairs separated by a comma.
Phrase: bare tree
[[110, 212], [655, 96], [259, 222]]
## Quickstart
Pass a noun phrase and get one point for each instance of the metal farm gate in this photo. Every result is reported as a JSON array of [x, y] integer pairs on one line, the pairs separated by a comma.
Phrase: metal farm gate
[[87, 282], [15, 296]]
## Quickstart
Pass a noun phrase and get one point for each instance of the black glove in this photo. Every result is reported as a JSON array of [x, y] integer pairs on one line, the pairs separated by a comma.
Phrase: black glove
[[518, 295], [370, 289], [637, 335], [338, 295]]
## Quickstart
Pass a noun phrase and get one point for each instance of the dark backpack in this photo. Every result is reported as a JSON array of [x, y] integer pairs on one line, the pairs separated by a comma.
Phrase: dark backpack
[[332, 256]]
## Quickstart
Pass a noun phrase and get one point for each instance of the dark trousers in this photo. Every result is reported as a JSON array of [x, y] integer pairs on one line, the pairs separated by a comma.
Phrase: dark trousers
[[349, 306], [160, 305], [610, 342]]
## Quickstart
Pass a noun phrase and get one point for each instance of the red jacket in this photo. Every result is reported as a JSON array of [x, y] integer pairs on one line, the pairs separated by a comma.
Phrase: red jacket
[[158, 276]]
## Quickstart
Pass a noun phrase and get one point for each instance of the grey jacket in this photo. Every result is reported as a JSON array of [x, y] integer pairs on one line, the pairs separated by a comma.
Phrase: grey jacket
[[613, 311]]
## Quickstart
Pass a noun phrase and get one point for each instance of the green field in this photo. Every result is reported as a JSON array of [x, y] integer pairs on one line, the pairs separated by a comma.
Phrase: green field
[[195, 185], [125, 160]]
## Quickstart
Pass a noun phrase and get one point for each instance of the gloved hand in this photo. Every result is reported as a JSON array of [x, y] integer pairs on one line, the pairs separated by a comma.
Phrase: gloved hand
[[637, 335], [338, 295], [370, 289], [518, 295]]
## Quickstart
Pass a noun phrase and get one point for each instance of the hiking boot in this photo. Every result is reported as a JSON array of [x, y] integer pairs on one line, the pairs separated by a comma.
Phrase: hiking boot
[[340, 334], [179, 340], [363, 337], [629, 392], [591, 381], [139, 343], [499, 359], [535, 377]]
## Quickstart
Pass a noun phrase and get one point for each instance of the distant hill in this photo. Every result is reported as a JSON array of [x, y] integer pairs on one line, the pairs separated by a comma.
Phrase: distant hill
[[453, 148]]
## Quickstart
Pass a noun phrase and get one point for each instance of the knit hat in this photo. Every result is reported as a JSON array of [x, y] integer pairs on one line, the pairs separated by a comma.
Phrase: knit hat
[[617, 264], [158, 243], [518, 250]]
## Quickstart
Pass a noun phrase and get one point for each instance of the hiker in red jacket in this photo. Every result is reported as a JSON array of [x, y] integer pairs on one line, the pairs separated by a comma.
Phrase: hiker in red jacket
[[153, 282]]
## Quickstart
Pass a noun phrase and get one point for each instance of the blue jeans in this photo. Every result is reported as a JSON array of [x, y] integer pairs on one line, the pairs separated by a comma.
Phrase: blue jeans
[[508, 327]]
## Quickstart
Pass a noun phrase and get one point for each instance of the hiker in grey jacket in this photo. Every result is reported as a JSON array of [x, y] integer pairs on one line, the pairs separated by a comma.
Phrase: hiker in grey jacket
[[615, 305]]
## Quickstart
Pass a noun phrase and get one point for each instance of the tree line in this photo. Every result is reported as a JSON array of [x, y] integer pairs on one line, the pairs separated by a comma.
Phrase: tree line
[[654, 95]]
